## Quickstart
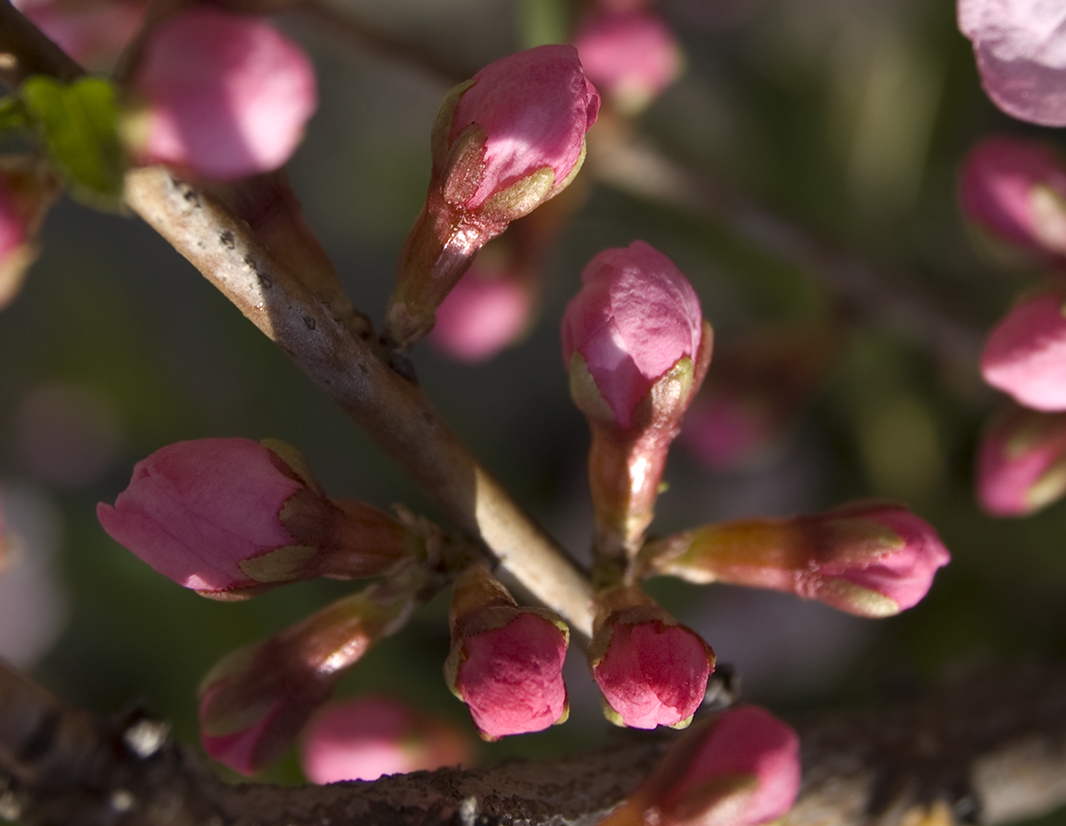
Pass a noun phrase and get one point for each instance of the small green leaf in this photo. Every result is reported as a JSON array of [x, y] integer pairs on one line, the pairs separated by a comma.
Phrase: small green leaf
[[78, 125], [12, 114]]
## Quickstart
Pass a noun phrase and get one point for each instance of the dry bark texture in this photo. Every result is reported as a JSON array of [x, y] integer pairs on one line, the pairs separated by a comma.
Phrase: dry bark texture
[[986, 750]]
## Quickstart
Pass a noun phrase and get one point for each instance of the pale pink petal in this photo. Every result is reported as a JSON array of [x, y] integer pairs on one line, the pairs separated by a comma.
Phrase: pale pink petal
[[1025, 355], [1021, 54]]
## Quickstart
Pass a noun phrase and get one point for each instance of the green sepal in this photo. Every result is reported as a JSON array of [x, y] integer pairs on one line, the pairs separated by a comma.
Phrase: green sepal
[[77, 125], [284, 564]]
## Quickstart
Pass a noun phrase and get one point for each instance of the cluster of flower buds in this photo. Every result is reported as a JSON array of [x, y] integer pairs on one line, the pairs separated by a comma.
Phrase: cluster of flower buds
[[1019, 45], [26, 192], [637, 349], [366, 737], [506, 661], [218, 94], [254, 702], [631, 55], [1014, 190], [651, 670], [1021, 462], [230, 518], [503, 143], [871, 559], [737, 768]]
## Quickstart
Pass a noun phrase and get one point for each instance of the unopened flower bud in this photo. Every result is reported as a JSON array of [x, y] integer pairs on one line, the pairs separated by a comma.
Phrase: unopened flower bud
[[737, 768], [219, 94], [506, 661], [1015, 190], [230, 517], [26, 192], [1025, 354], [1021, 462], [254, 702], [486, 312], [651, 670], [503, 143], [872, 559], [366, 737], [637, 350], [630, 56]]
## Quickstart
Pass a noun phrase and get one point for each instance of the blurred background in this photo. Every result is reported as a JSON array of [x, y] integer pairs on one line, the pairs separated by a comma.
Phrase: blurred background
[[822, 140]]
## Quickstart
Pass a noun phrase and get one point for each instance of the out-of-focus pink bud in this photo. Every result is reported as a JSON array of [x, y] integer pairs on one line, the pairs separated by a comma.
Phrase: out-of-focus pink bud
[[367, 737], [737, 768], [1021, 462], [1015, 190], [651, 670], [872, 559], [92, 33], [637, 350], [630, 56], [221, 94], [725, 431], [506, 661], [1025, 354], [254, 702], [1020, 47], [761, 383], [485, 313], [503, 143], [229, 517], [26, 192]]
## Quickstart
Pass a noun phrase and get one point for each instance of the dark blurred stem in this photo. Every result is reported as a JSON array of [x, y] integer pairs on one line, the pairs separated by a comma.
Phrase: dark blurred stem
[[343, 24], [623, 161]]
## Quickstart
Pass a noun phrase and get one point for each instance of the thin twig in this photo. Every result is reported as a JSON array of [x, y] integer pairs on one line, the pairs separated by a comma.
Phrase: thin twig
[[634, 166]]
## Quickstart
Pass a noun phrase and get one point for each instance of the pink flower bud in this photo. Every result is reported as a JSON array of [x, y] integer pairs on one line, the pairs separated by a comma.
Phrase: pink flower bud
[[630, 56], [367, 737], [13, 226], [635, 318], [503, 143], [651, 670], [1025, 354], [637, 350], [506, 661], [485, 313], [1020, 47], [225, 94], [737, 768], [525, 113], [254, 702], [228, 517], [872, 559], [196, 510], [1021, 462], [26, 192], [1016, 190]]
